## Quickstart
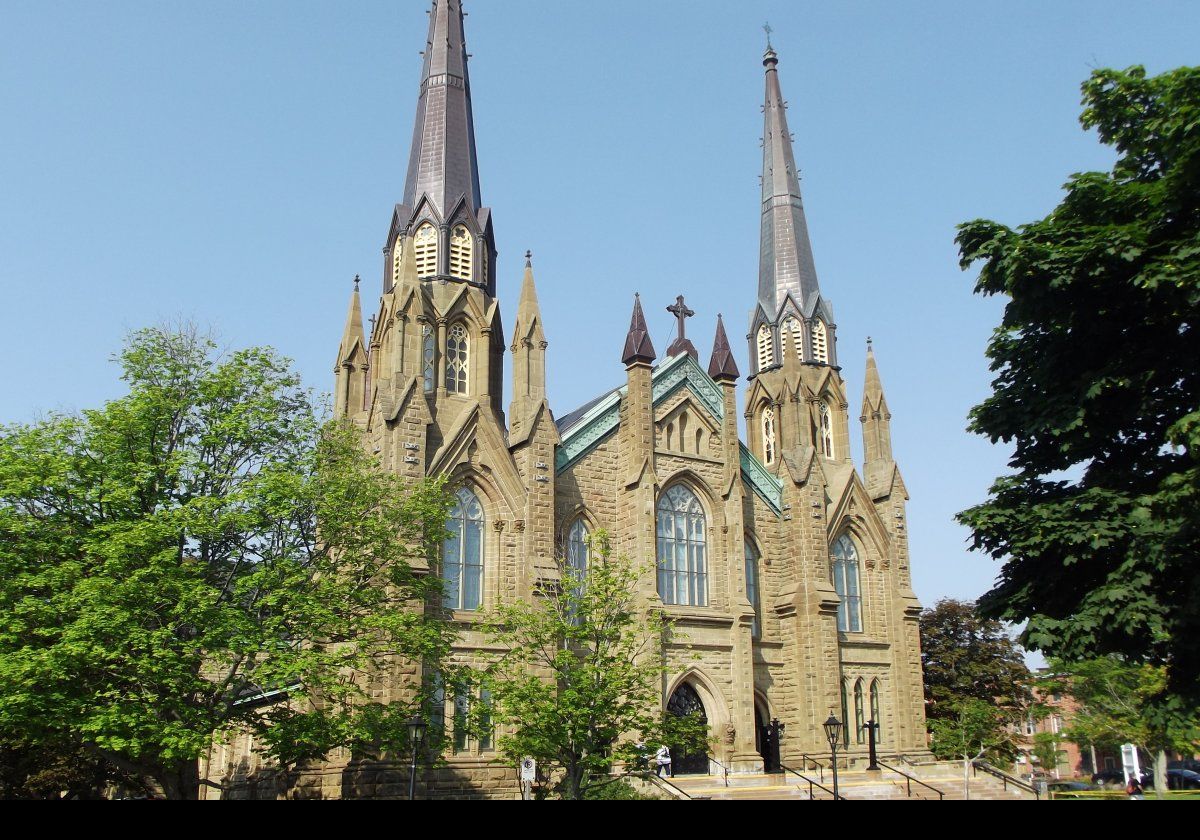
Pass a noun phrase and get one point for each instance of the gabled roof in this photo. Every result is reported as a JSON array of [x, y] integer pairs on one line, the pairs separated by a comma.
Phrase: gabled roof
[[585, 428]]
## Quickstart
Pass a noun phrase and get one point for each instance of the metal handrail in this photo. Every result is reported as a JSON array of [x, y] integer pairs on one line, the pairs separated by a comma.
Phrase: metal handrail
[[811, 783], [910, 779], [808, 759], [654, 779], [1007, 779], [714, 760]]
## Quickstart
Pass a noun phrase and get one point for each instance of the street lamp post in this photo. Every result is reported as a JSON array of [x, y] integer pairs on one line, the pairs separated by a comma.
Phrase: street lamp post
[[833, 731], [416, 734]]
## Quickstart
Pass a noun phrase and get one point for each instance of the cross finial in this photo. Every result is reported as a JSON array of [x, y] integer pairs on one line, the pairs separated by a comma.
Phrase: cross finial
[[529, 259], [681, 313], [870, 343], [357, 280], [767, 28]]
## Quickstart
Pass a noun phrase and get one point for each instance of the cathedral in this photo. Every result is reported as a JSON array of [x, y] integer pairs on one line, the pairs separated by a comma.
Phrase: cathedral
[[784, 563]]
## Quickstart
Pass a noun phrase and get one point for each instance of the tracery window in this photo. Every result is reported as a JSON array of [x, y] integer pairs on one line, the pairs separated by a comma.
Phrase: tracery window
[[845, 581], [577, 549], [752, 590], [766, 352], [792, 325], [462, 554], [457, 359], [428, 357], [425, 249], [682, 549], [827, 448], [820, 342], [768, 433], [462, 250]]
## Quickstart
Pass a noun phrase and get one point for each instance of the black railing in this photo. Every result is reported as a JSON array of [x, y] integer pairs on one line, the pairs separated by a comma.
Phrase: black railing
[[808, 759], [812, 783], [1006, 778], [666, 786], [724, 769], [910, 779]]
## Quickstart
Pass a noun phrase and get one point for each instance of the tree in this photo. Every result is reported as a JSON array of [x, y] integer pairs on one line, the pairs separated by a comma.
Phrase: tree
[[971, 729], [1045, 750], [195, 547], [580, 685], [1098, 390], [968, 657], [1114, 705]]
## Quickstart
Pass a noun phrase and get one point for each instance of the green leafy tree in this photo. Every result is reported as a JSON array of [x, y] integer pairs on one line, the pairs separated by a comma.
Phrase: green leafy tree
[[169, 560], [965, 657], [581, 683], [1046, 751], [973, 729], [1098, 390], [1115, 700]]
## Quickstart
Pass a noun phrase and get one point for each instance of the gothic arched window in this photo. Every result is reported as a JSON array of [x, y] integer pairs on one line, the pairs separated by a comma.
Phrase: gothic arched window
[[768, 436], [845, 713], [860, 721], [827, 448], [428, 357], [462, 554], [425, 249], [682, 551], [766, 353], [752, 590], [397, 260], [845, 581], [577, 549], [820, 342], [457, 359], [462, 251], [792, 326], [875, 712]]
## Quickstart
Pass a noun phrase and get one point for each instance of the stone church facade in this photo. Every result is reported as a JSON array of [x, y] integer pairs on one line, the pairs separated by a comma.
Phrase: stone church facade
[[785, 566]]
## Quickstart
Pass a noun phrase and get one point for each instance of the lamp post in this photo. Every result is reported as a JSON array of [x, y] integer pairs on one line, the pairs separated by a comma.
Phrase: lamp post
[[872, 731], [833, 731], [416, 734]]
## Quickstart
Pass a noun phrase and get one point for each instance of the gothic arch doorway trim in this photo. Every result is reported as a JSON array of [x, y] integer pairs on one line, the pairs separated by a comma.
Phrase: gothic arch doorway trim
[[716, 714]]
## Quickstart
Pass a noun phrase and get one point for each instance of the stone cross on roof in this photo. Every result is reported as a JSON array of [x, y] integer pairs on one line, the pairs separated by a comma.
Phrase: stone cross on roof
[[682, 345]]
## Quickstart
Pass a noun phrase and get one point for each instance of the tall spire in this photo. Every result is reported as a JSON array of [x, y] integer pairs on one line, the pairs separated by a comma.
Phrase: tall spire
[[352, 362], [876, 418], [443, 164], [786, 261]]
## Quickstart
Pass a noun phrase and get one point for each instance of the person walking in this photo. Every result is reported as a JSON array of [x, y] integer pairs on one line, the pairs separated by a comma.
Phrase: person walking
[[662, 759]]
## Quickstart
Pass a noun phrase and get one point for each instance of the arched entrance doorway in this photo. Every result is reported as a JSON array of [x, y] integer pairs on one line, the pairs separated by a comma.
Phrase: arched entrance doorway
[[685, 701], [766, 738]]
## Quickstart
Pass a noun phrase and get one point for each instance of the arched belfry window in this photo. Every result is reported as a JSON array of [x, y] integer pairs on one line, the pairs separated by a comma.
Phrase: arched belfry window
[[820, 342], [577, 549], [462, 252], [458, 357], [462, 554], [792, 326], [397, 260], [846, 582], [768, 436], [827, 448], [425, 249], [766, 352], [682, 550], [753, 595]]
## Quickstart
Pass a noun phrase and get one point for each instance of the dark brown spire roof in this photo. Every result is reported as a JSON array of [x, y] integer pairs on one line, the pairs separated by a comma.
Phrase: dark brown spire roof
[[722, 366], [638, 347]]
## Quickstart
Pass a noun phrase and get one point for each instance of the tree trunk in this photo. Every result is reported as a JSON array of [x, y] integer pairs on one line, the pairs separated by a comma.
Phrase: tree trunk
[[1160, 774], [180, 781], [966, 777]]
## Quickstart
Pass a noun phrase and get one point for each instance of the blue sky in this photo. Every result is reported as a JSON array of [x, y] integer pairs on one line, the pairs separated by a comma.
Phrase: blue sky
[[236, 163]]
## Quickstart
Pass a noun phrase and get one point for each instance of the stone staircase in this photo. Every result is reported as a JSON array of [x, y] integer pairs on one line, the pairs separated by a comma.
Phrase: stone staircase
[[854, 784]]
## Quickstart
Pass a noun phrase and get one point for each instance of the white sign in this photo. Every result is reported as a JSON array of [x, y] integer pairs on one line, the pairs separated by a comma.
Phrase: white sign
[[1132, 767], [528, 770]]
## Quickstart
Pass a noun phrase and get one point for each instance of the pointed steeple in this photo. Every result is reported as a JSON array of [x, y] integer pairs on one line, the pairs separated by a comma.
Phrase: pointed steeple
[[353, 336], [876, 418], [529, 354], [443, 164], [353, 362], [638, 347], [722, 367], [786, 262]]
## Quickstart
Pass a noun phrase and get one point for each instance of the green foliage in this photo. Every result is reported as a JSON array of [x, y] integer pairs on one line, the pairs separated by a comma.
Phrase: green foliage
[[1098, 390], [972, 729], [965, 656], [1115, 705], [1046, 751], [161, 567], [581, 683]]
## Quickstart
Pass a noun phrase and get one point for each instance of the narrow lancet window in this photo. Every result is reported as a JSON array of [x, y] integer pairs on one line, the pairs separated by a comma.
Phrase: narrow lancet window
[[820, 342], [462, 554], [766, 352], [425, 249], [846, 583], [827, 448], [457, 359], [462, 250], [768, 433]]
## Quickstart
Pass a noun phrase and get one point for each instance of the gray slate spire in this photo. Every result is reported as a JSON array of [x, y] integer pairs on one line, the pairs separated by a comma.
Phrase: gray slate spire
[[786, 261], [443, 164]]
